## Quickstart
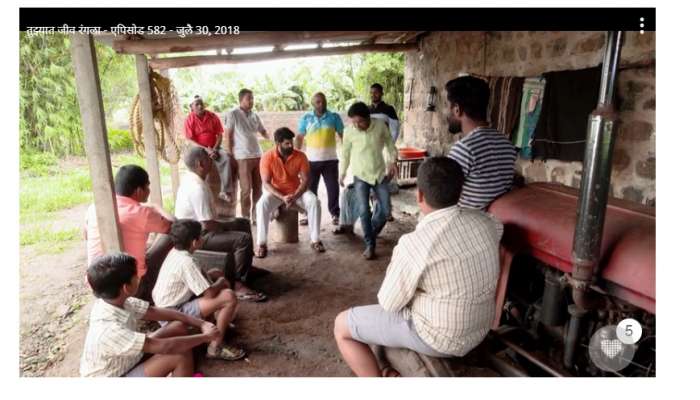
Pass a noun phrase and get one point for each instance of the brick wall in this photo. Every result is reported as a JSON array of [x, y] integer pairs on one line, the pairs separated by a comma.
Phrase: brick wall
[[445, 55]]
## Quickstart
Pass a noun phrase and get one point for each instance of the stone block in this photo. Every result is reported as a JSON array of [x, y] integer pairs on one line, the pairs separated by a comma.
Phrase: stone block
[[536, 50], [558, 47], [558, 175], [590, 44], [508, 54], [522, 53], [650, 105], [646, 168], [632, 194], [621, 160], [636, 131]]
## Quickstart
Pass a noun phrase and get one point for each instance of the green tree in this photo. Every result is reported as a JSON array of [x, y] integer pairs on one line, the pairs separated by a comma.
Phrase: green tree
[[49, 113], [386, 69]]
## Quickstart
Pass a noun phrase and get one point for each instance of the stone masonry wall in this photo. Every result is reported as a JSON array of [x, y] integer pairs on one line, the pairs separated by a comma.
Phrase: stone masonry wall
[[445, 55]]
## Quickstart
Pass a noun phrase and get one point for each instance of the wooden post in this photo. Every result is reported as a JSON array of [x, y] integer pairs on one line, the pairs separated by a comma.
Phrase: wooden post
[[149, 129], [174, 167], [87, 82]]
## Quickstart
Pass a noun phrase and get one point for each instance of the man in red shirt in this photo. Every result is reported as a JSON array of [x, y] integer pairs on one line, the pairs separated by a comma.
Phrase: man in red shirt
[[203, 129]]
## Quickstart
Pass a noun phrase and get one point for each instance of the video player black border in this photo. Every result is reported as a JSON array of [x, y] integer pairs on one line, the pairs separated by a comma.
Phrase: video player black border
[[351, 19]]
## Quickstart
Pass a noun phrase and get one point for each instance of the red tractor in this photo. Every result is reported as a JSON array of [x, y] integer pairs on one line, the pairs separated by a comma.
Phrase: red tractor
[[573, 265]]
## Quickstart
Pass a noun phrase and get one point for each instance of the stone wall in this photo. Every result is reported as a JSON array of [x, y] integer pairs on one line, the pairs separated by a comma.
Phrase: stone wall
[[445, 55]]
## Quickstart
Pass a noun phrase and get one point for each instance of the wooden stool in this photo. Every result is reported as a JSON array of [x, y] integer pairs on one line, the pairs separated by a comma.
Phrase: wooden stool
[[285, 228]]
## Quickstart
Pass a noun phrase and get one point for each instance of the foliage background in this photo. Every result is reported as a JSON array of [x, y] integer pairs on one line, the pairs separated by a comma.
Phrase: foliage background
[[50, 126]]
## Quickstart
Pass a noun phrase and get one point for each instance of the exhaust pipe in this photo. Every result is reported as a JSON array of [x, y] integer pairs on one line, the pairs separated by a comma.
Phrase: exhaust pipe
[[595, 184]]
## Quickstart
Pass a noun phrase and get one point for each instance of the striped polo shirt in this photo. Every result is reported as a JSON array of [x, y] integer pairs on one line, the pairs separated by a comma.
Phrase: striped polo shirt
[[319, 135], [487, 158]]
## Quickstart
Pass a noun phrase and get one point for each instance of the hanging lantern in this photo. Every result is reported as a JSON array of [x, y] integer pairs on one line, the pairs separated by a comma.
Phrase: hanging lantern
[[432, 98]]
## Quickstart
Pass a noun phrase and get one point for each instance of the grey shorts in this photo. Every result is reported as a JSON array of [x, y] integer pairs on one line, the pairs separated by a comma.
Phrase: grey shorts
[[139, 371], [373, 325], [190, 308]]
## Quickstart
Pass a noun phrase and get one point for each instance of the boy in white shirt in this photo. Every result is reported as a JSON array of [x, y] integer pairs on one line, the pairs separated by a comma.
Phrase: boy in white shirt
[[182, 286], [113, 345]]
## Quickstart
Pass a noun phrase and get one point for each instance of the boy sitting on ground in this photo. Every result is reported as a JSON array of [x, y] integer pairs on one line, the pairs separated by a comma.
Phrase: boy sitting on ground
[[114, 346], [182, 286]]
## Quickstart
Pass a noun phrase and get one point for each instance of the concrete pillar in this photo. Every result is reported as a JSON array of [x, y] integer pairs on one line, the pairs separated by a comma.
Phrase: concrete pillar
[[87, 82]]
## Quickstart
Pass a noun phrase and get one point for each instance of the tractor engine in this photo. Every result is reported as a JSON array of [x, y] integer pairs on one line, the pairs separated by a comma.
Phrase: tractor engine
[[539, 330]]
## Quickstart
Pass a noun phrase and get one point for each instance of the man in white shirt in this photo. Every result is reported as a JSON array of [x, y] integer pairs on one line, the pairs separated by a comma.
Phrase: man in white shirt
[[195, 201], [242, 127], [438, 295]]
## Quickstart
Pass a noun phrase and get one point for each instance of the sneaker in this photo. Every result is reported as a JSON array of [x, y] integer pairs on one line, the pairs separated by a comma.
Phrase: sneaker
[[369, 253]]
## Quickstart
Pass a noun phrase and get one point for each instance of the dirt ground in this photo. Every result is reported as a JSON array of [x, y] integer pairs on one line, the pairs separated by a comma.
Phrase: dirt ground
[[289, 335]]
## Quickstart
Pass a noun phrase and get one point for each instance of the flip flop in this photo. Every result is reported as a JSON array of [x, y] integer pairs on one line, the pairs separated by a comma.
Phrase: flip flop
[[261, 251], [318, 247], [255, 297]]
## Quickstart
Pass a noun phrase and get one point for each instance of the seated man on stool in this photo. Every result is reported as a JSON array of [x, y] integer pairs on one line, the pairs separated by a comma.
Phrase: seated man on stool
[[285, 176], [438, 295], [196, 201]]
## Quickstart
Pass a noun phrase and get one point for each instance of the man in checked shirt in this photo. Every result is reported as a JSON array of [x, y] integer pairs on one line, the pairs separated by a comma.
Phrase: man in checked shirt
[[438, 295]]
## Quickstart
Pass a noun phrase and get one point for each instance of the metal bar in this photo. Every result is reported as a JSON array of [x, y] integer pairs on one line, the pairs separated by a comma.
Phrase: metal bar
[[193, 61], [505, 368], [499, 335], [595, 184]]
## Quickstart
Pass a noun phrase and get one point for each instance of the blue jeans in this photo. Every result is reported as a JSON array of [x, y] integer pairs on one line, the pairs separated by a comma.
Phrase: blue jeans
[[372, 223]]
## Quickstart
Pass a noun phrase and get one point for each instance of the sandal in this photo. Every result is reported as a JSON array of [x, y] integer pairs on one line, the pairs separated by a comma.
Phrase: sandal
[[261, 251], [255, 297], [318, 247], [228, 353]]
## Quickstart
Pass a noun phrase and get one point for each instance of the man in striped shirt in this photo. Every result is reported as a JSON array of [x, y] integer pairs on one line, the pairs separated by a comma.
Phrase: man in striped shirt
[[486, 155], [438, 295]]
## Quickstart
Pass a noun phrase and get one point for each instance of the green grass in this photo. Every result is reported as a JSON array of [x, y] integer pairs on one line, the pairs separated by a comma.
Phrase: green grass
[[45, 194], [48, 241], [46, 188]]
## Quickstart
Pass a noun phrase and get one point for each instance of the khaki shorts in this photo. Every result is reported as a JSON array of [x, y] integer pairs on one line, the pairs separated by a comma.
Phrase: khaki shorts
[[139, 371], [190, 308], [373, 325]]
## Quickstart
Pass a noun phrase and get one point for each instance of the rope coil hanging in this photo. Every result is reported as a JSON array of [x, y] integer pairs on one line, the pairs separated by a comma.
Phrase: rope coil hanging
[[166, 109]]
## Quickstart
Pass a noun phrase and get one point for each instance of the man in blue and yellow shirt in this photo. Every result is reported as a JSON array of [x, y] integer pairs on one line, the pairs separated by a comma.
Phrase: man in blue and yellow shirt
[[319, 129]]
